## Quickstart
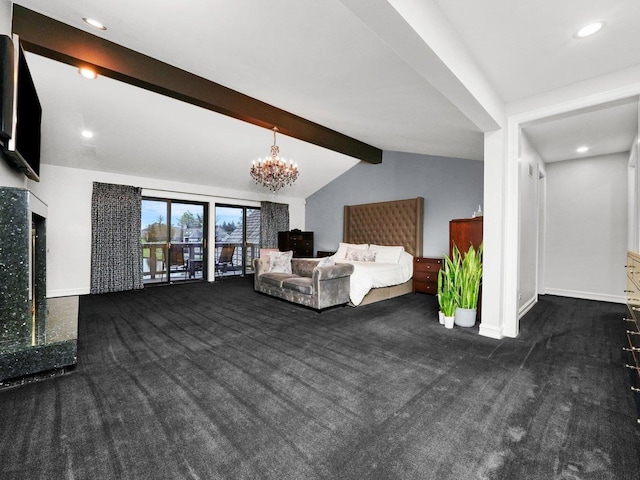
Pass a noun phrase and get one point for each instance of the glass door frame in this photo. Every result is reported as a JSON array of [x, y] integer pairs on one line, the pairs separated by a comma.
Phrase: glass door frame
[[246, 247], [200, 264]]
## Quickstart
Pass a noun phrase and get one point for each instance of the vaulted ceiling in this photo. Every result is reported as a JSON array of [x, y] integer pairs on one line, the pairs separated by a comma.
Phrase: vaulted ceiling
[[368, 69]]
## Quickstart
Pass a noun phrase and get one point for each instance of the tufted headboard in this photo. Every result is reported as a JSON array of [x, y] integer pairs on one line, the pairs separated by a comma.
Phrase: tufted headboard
[[399, 222]]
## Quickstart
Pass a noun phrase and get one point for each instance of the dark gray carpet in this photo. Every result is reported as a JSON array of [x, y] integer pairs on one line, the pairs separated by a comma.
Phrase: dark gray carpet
[[207, 381]]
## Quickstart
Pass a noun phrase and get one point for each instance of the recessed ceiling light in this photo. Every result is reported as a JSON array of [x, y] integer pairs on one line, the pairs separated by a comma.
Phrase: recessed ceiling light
[[582, 149], [87, 134], [87, 73], [590, 29], [94, 23]]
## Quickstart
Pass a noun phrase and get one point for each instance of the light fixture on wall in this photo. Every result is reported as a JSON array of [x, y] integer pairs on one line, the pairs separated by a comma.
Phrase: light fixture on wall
[[274, 172]]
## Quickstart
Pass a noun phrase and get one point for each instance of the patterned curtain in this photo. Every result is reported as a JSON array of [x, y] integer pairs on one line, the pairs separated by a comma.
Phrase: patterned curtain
[[116, 256], [274, 218]]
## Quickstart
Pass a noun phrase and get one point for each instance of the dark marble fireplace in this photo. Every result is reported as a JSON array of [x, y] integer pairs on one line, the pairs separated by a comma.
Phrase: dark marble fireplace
[[32, 337]]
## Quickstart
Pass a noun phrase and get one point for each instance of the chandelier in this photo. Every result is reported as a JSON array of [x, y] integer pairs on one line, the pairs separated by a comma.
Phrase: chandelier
[[274, 172]]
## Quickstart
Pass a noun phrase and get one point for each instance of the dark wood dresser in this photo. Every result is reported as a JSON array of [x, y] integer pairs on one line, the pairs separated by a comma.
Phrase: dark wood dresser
[[465, 232], [425, 274], [301, 243]]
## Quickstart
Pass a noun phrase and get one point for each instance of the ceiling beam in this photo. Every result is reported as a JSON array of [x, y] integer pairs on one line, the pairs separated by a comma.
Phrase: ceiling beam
[[53, 39]]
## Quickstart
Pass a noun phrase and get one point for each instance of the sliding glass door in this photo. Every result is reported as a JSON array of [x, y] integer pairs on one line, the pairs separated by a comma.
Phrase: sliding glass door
[[173, 240], [237, 239]]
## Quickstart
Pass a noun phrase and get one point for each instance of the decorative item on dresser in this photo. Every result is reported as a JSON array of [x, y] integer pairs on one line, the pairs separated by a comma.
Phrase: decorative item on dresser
[[632, 323], [300, 243], [425, 274]]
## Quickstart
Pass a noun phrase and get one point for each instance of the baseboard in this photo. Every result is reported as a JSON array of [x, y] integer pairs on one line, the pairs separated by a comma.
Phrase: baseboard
[[527, 306], [68, 293], [586, 295], [490, 332]]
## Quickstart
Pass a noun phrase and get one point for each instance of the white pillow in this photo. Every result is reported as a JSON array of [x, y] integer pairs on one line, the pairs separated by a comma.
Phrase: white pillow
[[326, 262], [358, 255], [387, 254], [342, 249], [406, 259], [280, 262]]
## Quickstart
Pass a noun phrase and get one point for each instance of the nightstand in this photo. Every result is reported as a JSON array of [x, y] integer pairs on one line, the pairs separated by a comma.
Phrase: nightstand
[[425, 274]]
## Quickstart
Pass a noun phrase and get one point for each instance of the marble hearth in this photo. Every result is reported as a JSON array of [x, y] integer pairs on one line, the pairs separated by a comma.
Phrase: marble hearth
[[36, 335]]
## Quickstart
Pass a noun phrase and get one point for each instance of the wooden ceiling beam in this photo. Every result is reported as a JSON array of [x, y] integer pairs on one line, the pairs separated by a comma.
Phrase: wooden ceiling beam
[[53, 39]]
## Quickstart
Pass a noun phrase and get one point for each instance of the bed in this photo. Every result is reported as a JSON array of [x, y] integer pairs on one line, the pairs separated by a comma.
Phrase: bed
[[397, 223]]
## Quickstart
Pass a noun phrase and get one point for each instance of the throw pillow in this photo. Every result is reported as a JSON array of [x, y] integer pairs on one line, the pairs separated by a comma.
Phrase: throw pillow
[[280, 262], [326, 262], [387, 254], [342, 249], [357, 255]]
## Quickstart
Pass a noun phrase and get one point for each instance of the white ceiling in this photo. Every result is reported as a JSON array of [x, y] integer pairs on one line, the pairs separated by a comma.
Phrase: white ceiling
[[327, 62], [605, 129]]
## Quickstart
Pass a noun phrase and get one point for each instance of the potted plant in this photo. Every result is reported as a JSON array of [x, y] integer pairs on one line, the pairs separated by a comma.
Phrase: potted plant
[[448, 291], [470, 276]]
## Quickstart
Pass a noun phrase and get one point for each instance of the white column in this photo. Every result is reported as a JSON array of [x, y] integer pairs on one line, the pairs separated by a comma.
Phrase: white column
[[492, 282]]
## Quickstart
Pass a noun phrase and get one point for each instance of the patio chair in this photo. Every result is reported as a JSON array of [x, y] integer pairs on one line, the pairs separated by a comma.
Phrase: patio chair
[[177, 261], [225, 260]]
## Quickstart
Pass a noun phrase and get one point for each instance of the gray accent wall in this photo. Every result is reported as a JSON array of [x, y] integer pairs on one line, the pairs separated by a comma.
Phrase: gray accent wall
[[451, 187]]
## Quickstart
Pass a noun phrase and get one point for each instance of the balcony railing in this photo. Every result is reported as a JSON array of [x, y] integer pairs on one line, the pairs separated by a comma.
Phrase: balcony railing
[[186, 260]]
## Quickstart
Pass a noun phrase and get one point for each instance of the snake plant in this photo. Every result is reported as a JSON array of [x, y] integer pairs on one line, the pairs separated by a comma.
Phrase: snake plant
[[459, 280], [448, 282], [470, 277]]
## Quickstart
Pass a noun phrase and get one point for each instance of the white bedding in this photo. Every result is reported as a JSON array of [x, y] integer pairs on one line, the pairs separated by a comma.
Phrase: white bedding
[[368, 275]]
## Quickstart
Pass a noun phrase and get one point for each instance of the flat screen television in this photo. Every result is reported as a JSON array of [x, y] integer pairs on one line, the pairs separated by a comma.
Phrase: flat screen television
[[20, 133]]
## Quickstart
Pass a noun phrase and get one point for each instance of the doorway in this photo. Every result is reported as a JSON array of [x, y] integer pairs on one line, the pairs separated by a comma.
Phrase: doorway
[[173, 240], [237, 239]]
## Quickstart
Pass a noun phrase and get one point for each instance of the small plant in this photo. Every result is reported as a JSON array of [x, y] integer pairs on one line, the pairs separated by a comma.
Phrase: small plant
[[448, 284], [448, 304], [470, 276]]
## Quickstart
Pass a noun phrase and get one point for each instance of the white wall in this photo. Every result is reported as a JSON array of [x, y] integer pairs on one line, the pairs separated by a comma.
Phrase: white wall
[[9, 176], [586, 227], [5, 17], [529, 164], [633, 179], [67, 192]]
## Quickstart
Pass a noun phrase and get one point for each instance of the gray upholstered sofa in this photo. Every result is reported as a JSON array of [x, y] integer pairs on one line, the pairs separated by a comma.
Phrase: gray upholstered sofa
[[308, 284]]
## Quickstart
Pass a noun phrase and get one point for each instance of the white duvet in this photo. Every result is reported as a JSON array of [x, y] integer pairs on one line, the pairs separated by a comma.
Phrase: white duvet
[[368, 275]]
